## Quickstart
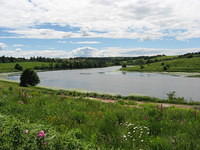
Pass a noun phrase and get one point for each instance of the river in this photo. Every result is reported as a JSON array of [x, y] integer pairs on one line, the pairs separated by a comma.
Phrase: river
[[110, 80]]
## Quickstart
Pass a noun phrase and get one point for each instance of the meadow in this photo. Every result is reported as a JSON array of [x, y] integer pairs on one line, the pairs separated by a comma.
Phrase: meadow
[[10, 67], [39, 118], [174, 65]]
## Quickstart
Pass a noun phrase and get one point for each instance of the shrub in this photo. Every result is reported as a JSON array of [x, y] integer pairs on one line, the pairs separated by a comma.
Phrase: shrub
[[29, 77], [18, 67], [171, 95], [123, 65], [17, 135], [141, 67]]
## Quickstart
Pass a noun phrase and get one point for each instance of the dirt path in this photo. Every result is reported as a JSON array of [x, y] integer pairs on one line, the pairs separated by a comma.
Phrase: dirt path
[[164, 105]]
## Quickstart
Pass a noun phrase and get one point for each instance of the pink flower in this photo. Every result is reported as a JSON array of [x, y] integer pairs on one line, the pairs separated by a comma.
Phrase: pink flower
[[41, 134]]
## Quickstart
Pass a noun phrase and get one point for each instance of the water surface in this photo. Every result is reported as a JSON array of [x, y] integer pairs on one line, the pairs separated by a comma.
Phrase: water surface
[[109, 80]]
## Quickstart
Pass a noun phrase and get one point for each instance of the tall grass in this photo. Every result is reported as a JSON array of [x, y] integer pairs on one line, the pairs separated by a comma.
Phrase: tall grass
[[75, 122]]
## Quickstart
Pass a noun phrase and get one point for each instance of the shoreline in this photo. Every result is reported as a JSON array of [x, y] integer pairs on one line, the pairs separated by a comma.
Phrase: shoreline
[[3, 75], [184, 74], [108, 96], [111, 97], [6, 74]]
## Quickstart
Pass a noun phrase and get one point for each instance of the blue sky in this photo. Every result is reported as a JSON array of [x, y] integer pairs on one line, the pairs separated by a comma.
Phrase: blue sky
[[68, 28]]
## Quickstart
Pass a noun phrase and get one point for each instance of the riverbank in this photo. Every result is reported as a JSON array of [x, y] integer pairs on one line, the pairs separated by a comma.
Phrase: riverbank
[[190, 65], [184, 74], [88, 94], [118, 83]]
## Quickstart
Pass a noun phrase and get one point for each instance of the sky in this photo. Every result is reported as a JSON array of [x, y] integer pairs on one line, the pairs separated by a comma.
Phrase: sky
[[98, 28]]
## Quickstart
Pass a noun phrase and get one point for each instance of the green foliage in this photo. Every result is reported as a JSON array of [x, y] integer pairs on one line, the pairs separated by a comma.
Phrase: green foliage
[[177, 64], [10, 67], [172, 97], [29, 77], [123, 65], [141, 67], [18, 67], [15, 135], [72, 121]]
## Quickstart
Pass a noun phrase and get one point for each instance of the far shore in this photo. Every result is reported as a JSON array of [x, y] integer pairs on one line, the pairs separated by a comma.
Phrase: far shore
[[6, 74], [185, 74]]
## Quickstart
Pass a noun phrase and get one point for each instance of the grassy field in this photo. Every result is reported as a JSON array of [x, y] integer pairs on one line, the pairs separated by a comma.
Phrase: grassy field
[[76, 122], [163, 58], [175, 65], [9, 67]]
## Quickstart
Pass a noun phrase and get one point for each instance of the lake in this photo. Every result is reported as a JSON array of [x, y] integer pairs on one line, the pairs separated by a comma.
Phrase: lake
[[110, 80]]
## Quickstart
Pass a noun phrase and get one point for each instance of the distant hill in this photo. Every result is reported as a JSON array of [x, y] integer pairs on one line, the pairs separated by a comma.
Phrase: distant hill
[[184, 63]]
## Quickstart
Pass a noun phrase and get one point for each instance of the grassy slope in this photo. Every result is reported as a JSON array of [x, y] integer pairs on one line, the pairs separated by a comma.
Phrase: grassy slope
[[9, 67], [102, 124], [176, 65], [161, 58]]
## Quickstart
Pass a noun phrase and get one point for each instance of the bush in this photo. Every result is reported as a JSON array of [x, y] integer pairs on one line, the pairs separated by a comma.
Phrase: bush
[[124, 65], [18, 67], [29, 77], [17, 135], [141, 67]]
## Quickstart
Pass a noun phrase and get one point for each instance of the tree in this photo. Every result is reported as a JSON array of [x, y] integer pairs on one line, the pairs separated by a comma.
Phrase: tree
[[29, 78], [123, 65], [18, 67]]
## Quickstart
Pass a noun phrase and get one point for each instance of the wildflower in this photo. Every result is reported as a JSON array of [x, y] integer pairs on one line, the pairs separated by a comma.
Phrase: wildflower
[[26, 131], [41, 134]]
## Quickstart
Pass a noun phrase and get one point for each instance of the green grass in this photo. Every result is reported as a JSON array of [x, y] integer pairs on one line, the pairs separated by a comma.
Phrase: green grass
[[175, 65], [194, 76], [75, 122], [163, 58], [9, 67]]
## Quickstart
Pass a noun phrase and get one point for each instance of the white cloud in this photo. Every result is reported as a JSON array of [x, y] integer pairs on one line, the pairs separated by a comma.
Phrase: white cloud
[[43, 33], [18, 45], [2, 46], [18, 49], [93, 52], [79, 42], [62, 42], [85, 42], [116, 51], [31, 53], [84, 52], [141, 19]]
